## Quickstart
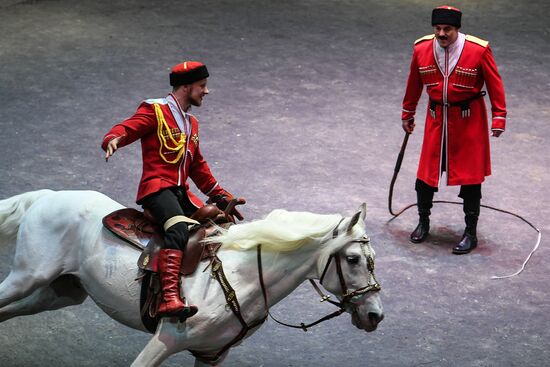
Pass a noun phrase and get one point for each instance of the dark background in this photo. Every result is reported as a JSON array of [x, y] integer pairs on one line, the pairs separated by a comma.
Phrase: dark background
[[304, 114]]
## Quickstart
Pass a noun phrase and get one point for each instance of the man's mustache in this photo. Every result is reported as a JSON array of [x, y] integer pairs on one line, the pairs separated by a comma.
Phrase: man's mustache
[[443, 38]]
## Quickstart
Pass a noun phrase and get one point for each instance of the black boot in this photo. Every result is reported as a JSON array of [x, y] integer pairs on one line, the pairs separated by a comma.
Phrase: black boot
[[422, 230], [424, 196], [469, 238]]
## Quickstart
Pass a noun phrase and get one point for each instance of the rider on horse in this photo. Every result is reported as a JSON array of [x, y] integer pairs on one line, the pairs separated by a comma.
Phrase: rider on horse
[[171, 154]]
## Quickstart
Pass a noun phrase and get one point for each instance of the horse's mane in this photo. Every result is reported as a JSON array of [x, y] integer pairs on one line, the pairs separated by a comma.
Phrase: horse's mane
[[280, 230]]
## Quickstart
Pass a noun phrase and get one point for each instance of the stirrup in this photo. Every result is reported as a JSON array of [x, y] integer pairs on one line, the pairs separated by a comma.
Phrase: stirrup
[[187, 312], [183, 314]]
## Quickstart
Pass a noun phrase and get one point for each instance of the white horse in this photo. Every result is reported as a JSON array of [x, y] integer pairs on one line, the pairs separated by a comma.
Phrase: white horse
[[63, 254]]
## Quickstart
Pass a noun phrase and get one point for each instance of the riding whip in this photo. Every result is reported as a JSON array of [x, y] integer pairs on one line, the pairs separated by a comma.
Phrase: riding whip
[[395, 215], [395, 173]]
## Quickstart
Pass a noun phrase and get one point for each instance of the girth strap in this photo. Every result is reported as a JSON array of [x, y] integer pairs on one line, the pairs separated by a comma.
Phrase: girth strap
[[233, 303], [228, 291]]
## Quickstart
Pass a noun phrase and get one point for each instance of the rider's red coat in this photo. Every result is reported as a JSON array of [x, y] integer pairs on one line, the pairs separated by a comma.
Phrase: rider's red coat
[[161, 168], [468, 157]]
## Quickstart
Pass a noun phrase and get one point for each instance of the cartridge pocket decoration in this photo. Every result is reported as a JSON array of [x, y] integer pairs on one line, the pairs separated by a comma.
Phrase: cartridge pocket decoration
[[465, 77], [428, 74]]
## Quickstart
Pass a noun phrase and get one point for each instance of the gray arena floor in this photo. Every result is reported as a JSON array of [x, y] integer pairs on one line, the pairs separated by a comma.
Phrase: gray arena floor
[[304, 114]]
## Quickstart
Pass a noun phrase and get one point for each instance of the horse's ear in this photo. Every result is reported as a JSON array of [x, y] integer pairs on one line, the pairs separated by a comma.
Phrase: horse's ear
[[363, 209], [359, 216]]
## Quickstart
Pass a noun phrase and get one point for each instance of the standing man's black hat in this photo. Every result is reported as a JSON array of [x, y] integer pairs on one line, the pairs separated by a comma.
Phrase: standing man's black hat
[[446, 15]]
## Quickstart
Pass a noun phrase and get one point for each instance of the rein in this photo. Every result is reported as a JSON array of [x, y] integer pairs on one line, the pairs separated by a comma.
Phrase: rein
[[395, 215], [233, 303], [347, 295]]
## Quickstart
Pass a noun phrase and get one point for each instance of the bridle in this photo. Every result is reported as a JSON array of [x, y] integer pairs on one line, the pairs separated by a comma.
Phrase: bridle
[[348, 297], [352, 296]]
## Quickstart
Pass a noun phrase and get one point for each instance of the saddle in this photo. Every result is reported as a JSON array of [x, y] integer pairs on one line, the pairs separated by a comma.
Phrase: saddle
[[138, 229]]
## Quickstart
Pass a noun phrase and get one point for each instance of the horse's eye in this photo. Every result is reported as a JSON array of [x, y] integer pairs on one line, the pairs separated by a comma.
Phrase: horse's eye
[[352, 260]]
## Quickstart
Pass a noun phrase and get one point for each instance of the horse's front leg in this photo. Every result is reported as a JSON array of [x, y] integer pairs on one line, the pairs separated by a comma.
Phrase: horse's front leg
[[166, 341]]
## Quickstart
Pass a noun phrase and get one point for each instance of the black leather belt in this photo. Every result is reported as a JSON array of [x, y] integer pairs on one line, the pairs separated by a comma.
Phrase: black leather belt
[[464, 105]]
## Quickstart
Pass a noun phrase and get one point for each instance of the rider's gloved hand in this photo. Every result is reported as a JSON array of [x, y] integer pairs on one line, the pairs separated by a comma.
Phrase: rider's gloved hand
[[222, 200]]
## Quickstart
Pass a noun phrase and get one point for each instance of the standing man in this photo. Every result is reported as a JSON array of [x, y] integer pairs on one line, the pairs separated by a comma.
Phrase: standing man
[[454, 68], [170, 149]]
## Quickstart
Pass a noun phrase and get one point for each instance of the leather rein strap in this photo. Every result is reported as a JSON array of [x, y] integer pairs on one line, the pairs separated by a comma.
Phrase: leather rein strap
[[302, 326]]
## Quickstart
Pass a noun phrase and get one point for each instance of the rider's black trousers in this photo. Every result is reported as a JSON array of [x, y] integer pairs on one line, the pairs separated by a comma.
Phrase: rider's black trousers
[[168, 203]]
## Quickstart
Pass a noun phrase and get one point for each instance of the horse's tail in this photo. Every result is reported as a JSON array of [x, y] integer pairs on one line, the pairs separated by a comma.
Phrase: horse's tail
[[13, 209]]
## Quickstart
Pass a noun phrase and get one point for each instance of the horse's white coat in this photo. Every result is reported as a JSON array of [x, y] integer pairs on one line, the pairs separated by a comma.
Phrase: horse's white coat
[[60, 234]]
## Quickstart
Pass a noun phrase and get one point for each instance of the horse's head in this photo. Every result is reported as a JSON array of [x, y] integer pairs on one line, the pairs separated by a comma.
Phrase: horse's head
[[348, 272]]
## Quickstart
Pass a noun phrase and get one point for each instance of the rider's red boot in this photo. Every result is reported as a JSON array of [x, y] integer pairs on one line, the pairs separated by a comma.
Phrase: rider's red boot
[[171, 303]]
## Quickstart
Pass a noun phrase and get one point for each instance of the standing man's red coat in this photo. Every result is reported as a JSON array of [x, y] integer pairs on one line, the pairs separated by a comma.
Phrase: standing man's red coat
[[468, 157]]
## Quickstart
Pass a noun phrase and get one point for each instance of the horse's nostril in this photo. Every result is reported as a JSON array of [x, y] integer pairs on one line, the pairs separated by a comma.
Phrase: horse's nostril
[[375, 317]]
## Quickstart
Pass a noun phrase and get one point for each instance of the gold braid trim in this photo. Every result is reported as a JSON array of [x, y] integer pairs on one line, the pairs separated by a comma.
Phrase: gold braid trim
[[162, 131]]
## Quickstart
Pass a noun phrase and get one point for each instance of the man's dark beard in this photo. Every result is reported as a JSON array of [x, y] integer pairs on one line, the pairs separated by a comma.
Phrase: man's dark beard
[[195, 102]]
